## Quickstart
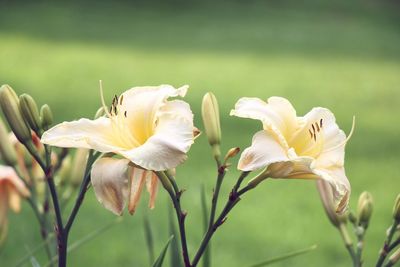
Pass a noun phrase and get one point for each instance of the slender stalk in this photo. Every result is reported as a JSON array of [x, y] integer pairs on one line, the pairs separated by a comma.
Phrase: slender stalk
[[214, 202], [394, 244], [82, 191], [233, 199], [173, 190], [385, 249], [348, 243]]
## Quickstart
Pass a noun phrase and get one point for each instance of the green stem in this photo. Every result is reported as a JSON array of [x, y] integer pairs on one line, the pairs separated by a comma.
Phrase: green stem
[[233, 199], [385, 249], [348, 243], [214, 202], [173, 190]]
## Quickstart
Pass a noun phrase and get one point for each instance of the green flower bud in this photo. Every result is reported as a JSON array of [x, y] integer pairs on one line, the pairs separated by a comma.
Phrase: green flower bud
[[47, 116], [30, 112], [396, 209], [10, 105], [210, 114], [7, 151], [364, 209]]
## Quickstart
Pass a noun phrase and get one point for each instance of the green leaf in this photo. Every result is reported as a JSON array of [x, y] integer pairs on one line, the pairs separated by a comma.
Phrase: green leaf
[[204, 208], [175, 258], [148, 236], [160, 259], [285, 256]]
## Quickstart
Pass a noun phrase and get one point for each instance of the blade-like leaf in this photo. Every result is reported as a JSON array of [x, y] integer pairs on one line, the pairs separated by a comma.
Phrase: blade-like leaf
[[175, 255], [148, 236], [34, 262], [285, 256], [160, 259], [204, 208]]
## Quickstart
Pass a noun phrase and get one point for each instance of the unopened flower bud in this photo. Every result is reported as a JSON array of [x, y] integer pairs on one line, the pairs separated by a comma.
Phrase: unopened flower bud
[[396, 209], [364, 209], [210, 114], [47, 116], [7, 150], [30, 112], [231, 153], [10, 105], [326, 194], [78, 166], [64, 173]]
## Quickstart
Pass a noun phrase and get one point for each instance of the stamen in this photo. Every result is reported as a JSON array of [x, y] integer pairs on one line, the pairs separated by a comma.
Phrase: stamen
[[103, 103], [125, 113], [316, 124], [313, 128], [320, 123], [311, 134], [348, 137], [121, 99]]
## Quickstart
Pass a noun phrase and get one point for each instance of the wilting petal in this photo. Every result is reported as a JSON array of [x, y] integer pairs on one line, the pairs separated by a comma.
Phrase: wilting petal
[[142, 104], [137, 181], [337, 179], [152, 188], [263, 151], [326, 194], [110, 183], [10, 180], [277, 115], [96, 134], [172, 139]]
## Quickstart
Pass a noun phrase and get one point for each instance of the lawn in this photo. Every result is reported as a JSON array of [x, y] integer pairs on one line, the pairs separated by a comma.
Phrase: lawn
[[344, 56]]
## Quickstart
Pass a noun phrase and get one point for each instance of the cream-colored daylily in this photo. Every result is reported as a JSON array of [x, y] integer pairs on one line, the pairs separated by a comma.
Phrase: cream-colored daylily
[[148, 132], [12, 188], [308, 147]]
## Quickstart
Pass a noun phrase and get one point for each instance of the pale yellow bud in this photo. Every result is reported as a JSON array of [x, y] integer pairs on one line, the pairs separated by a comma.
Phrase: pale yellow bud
[[47, 116], [30, 112], [396, 209], [210, 114], [10, 105], [7, 150], [231, 153], [364, 209], [78, 166]]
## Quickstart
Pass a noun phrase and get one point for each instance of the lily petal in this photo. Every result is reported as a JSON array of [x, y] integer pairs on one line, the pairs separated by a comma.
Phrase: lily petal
[[96, 134], [110, 183], [10, 178], [172, 138], [152, 188], [263, 151], [143, 103], [137, 181], [337, 179], [277, 115]]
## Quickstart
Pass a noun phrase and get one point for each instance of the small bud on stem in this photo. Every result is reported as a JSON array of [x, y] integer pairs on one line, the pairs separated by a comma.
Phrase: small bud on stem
[[364, 209], [30, 112]]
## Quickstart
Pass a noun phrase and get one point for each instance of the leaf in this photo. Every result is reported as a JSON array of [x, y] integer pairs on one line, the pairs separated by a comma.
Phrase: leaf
[[285, 256], [160, 259], [34, 262], [204, 208], [175, 258], [148, 236]]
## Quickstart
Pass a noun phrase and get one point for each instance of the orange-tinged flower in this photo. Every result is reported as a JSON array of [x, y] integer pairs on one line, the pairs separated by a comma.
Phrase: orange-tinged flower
[[12, 188]]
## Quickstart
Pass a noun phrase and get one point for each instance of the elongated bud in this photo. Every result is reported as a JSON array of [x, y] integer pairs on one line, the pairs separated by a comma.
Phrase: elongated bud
[[231, 153], [10, 105], [7, 150], [46, 116], [30, 112], [210, 114], [396, 209], [326, 194], [64, 173], [78, 166], [364, 209]]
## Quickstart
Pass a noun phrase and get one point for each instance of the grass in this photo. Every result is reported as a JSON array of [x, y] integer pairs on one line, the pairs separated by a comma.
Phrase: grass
[[344, 56]]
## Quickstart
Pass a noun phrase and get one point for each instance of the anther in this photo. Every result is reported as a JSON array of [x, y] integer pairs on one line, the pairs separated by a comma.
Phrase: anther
[[121, 99], [320, 123], [313, 128], [125, 113], [311, 134], [316, 124]]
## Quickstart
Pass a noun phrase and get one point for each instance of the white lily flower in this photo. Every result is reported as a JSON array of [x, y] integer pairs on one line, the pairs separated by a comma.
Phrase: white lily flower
[[147, 131], [308, 147]]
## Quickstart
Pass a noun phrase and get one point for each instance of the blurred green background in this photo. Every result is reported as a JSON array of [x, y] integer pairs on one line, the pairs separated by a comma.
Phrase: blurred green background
[[344, 55]]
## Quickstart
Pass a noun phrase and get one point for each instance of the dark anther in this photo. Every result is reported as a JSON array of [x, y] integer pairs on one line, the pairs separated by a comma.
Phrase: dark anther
[[316, 124], [121, 99], [125, 113], [311, 134], [320, 123]]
